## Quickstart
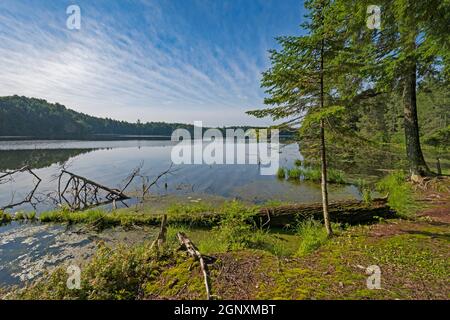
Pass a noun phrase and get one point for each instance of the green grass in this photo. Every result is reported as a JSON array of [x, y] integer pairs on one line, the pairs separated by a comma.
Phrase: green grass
[[312, 234], [312, 174], [294, 173], [365, 190], [400, 193], [326, 268], [5, 217], [281, 173], [336, 176], [113, 273], [315, 174]]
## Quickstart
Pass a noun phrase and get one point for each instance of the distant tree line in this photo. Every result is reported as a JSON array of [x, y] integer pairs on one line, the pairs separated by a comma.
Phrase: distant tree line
[[37, 118], [22, 116]]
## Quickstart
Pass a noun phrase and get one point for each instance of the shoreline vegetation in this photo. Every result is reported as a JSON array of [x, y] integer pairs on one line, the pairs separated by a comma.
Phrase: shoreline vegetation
[[248, 259], [204, 215]]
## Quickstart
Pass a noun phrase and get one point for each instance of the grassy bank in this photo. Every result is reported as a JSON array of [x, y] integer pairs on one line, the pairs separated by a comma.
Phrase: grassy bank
[[413, 258], [252, 262]]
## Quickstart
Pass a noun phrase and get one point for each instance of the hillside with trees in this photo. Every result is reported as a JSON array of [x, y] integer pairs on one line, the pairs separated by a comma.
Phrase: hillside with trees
[[36, 118]]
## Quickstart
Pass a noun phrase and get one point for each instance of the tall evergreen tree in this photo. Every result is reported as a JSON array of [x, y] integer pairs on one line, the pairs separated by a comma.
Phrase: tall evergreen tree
[[301, 82], [413, 41]]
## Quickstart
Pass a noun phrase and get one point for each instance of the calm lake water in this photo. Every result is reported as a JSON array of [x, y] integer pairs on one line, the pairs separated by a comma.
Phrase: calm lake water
[[27, 249], [110, 163]]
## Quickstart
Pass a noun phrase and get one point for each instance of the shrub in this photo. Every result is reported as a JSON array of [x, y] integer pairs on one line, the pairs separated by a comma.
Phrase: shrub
[[313, 235], [235, 228], [5, 217], [336, 176], [113, 273], [281, 173], [294, 173]]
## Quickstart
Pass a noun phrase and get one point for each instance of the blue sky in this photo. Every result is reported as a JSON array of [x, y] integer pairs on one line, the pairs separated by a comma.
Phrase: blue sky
[[166, 60]]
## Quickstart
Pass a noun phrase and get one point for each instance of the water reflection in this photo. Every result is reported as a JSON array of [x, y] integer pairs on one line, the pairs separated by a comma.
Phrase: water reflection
[[110, 162]]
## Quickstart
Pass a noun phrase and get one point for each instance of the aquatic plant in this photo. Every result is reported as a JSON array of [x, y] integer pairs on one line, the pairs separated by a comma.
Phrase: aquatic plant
[[294, 173], [281, 173], [5, 217]]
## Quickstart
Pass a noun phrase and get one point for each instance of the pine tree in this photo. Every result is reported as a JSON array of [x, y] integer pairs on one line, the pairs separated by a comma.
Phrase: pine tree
[[413, 42], [300, 82]]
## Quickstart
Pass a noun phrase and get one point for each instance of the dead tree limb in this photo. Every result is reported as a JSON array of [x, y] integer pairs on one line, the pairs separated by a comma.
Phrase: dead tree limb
[[84, 193], [155, 181], [193, 252], [29, 197], [115, 192], [159, 241]]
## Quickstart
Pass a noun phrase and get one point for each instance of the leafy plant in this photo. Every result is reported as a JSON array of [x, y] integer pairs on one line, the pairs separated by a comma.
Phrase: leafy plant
[[400, 193], [313, 235], [281, 173], [294, 173]]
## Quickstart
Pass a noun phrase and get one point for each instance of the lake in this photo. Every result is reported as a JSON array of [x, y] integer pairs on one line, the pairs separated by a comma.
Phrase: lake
[[27, 249], [111, 162]]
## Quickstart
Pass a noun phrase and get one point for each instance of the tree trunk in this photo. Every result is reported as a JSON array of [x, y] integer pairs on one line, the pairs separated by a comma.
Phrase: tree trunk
[[326, 215], [323, 155], [417, 164]]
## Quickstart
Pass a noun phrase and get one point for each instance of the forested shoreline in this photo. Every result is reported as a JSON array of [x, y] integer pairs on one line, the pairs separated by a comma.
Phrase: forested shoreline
[[31, 117]]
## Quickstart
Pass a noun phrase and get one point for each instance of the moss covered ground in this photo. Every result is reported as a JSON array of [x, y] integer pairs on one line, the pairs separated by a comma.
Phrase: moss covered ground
[[298, 263]]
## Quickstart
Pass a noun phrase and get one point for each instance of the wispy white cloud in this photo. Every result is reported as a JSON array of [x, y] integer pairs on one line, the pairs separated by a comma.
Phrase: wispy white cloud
[[150, 62]]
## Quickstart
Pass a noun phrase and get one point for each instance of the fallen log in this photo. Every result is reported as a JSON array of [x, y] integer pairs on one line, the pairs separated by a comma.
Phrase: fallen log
[[348, 211], [193, 252]]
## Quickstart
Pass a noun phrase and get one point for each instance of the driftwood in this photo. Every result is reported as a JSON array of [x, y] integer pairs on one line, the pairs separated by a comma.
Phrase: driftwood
[[193, 252], [85, 193], [8, 176], [159, 241]]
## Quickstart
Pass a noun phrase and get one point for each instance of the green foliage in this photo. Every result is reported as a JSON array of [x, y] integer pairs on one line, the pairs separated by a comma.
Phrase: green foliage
[[294, 173], [298, 163], [19, 216], [281, 173], [21, 116], [294, 81], [322, 114], [336, 176], [5, 217], [365, 190], [100, 218], [312, 174], [315, 175], [312, 234], [234, 228], [31, 215], [440, 138], [400, 193], [113, 273]]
